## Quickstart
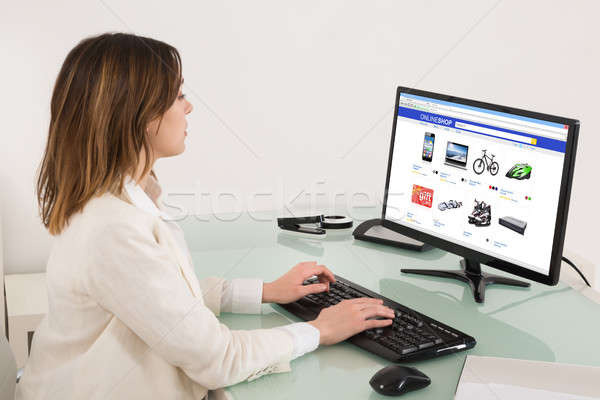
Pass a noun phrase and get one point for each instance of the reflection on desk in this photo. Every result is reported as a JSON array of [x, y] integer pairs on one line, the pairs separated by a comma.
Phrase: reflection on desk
[[536, 323]]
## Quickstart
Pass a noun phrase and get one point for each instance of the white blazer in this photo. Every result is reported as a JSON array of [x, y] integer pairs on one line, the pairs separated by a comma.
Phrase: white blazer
[[128, 318]]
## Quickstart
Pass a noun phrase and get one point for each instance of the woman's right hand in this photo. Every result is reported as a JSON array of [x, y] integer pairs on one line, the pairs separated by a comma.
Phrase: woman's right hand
[[349, 317]]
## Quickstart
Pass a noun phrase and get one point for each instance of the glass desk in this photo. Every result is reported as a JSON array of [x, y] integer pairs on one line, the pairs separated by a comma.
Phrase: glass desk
[[547, 323]]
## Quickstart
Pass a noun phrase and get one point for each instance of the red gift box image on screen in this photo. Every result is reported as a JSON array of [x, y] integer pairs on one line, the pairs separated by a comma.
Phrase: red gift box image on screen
[[422, 196]]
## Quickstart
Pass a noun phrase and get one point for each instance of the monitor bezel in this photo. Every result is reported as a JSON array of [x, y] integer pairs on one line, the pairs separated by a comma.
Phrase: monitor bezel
[[563, 202]]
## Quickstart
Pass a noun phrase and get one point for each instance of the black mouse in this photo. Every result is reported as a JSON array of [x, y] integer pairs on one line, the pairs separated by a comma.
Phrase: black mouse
[[395, 380]]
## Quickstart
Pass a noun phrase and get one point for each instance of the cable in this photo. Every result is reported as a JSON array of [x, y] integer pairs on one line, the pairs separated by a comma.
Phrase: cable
[[565, 259]]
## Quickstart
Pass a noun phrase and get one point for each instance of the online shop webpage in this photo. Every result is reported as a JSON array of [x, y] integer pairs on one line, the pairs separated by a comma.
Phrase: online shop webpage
[[482, 179]]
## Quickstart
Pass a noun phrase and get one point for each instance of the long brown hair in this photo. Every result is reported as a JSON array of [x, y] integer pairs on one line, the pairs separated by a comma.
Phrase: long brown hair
[[108, 89]]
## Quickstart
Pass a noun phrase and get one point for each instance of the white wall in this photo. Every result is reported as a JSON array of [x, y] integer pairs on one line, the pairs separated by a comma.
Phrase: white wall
[[2, 302], [290, 94]]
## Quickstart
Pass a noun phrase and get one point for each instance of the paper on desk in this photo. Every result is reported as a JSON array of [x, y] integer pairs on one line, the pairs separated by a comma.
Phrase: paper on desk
[[496, 391], [494, 378]]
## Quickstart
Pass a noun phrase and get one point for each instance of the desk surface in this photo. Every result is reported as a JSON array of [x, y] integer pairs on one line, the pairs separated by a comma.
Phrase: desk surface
[[547, 323]]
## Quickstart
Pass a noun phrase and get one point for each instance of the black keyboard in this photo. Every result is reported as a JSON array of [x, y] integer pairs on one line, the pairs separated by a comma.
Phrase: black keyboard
[[412, 335]]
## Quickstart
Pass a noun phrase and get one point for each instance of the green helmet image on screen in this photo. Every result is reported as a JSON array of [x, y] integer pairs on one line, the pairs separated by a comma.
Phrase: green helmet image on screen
[[520, 171]]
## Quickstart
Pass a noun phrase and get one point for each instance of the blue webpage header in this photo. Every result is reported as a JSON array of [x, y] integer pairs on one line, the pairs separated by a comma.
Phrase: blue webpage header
[[483, 110], [450, 122]]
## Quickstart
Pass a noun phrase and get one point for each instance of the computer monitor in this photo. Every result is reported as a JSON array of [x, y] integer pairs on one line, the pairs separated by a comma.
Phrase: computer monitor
[[505, 205]]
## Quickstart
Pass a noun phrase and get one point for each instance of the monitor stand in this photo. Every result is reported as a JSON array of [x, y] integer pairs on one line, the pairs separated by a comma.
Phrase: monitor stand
[[470, 273]]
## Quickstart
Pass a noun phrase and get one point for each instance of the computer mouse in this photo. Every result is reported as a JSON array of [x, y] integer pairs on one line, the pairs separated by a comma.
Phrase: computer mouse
[[395, 380]]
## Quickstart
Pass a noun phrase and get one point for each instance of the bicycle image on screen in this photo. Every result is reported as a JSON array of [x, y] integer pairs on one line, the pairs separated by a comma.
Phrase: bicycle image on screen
[[486, 162]]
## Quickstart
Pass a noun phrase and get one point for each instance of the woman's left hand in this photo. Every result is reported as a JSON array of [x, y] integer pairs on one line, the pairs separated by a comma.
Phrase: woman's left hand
[[289, 287]]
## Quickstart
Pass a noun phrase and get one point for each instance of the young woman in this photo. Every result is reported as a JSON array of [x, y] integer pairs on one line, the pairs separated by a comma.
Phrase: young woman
[[127, 318]]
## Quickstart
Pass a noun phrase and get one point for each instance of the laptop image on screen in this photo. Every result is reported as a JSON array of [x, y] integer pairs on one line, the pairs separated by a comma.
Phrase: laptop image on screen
[[456, 155]]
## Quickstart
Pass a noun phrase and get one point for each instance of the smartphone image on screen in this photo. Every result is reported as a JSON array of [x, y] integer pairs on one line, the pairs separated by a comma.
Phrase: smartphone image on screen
[[428, 146]]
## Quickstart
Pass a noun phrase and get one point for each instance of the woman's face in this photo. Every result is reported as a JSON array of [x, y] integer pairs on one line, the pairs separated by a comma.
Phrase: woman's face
[[168, 139]]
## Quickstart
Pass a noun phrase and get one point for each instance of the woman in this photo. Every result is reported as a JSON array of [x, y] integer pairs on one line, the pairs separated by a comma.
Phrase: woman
[[127, 317]]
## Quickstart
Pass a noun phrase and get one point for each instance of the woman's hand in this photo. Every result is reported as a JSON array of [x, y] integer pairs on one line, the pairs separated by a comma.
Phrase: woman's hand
[[349, 317], [289, 287]]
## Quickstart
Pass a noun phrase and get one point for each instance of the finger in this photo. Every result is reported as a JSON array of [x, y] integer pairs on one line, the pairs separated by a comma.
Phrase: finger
[[324, 282], [377, 323], [322, 271], [377, 311], [313, 269], [313, 288], [363, 306]]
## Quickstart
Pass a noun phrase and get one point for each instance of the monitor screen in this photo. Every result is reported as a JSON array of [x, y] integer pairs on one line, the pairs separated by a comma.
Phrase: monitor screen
[[479, 178]]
